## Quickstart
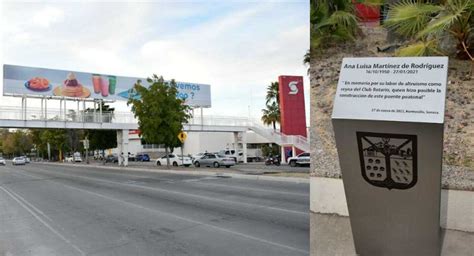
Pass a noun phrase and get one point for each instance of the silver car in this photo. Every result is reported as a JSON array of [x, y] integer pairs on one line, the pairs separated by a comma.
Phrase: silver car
[[2, 161], [19, 161], [214, 160]]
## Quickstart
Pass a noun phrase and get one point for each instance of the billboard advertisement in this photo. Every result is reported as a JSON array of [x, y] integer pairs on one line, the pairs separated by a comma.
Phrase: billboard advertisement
[[51, 82], [292, 107]]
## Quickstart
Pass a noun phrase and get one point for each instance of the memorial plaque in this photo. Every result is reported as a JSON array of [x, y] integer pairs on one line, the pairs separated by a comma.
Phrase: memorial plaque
[[388, 122]]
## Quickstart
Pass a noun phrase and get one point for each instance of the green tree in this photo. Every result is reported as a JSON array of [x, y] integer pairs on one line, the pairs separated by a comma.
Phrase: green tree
[[16, 143], [160, 113], [57, 139], [270, 150], [271, 114], [426, 24], [41, 145]]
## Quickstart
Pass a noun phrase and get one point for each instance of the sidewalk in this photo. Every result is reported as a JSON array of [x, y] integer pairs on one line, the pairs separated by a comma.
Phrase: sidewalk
[[331, 235], [227, 172]]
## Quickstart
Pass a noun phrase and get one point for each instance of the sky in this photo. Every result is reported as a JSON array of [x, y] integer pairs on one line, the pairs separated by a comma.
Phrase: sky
[[238, 47]]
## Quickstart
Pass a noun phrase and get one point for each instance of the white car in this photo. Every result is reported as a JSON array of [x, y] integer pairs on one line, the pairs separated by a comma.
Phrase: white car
[[214, 160], [237, 156], [2, 161], [77, 157], [27, 159], [175, 160], [299, 160], [19, 161]]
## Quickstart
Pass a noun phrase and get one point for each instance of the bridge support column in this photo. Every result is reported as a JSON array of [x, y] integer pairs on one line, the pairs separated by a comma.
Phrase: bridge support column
[[244, 146], [282, 155], [122, 146]]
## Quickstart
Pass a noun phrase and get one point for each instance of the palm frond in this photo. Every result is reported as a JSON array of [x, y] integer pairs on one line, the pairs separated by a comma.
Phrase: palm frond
[[339, 18], [453, 12], [420, 48], [409, 17]]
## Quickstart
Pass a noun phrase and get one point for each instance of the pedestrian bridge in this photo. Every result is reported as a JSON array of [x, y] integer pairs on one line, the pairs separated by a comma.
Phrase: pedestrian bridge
[[15, 117]]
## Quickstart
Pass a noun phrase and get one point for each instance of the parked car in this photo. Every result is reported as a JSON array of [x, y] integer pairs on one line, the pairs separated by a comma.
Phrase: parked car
[[27, 159], [69, 159], [175, 160], [199, 156], [111, 158], [302, 159], [142, 158], [77, 157], [2, 161], [214, 160], [237, 156], [19, 161]]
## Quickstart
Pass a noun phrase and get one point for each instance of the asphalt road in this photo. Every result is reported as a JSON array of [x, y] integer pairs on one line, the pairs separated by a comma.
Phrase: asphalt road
[[248, 168], [61, 210]]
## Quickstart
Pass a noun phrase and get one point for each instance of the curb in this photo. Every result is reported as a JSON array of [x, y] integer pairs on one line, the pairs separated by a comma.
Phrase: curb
[[197, 173]]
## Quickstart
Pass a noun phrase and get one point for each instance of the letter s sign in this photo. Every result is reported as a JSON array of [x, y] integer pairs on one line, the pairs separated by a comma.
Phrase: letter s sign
[[293, 88]]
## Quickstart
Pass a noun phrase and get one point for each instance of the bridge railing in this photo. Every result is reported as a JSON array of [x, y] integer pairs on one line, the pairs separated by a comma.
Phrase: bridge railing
[[36, 114]]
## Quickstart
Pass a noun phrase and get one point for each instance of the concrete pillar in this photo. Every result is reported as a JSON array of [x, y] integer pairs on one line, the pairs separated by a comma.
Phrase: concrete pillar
[[244, 146], [282, 155], [125, 142], [119, 147], [122, 146]]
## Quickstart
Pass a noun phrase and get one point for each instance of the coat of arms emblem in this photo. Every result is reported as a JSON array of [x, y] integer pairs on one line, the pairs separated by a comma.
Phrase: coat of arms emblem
[[388, 160]]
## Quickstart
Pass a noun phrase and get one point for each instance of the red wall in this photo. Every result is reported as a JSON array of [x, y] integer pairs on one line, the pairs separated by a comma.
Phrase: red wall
[[292, 107], [367, 12]]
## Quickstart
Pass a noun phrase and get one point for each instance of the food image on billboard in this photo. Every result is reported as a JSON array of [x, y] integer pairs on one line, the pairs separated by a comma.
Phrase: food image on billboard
[[19, 80]]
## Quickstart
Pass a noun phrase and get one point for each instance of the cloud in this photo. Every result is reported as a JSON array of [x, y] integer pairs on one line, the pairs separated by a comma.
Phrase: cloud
[[239, 48], [47, 16]]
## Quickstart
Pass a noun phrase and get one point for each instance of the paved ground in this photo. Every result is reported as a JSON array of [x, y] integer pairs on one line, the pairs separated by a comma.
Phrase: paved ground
[[68, 210], [331, 235]]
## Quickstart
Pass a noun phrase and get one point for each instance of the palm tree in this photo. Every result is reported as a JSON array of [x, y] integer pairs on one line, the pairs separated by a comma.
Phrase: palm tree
[[271, 115], [426, 24], [273, 93]]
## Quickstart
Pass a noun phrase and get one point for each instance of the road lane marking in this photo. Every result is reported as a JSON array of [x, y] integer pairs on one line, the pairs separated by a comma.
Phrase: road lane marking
[[261, 240], [30, 205], [57, 233], [181, 193]]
